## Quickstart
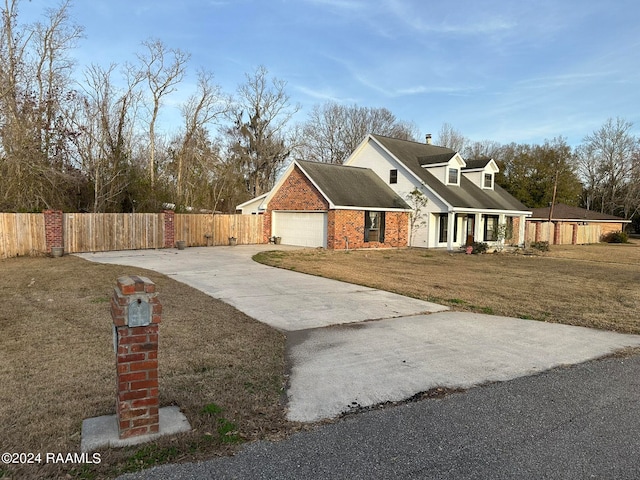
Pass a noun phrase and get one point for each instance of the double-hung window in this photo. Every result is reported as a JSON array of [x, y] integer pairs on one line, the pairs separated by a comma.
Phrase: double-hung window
[[453, 176], [490, 228], [488, 180], [443, 228], [374, 227]]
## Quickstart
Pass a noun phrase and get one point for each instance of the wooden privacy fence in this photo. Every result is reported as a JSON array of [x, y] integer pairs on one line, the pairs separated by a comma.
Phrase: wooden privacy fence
[[559, 233], [205, 230], [36, 233], [589, 234], [21, 234], [103, 232]]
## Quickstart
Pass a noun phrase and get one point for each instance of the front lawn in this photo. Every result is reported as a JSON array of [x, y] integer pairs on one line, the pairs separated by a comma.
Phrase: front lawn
[[57, 367], [592, 285]]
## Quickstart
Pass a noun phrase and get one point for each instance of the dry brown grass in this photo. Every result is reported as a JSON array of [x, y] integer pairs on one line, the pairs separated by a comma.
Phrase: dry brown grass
[[57, 367], [593, 285]]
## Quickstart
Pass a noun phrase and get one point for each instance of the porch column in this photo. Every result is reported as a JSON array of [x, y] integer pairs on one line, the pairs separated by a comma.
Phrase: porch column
[[478, 234], [502, 220], [451, 220], [522, 230]]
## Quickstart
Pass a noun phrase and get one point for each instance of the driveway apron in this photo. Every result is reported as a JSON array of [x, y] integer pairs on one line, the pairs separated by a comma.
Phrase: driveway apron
[[341, 360]]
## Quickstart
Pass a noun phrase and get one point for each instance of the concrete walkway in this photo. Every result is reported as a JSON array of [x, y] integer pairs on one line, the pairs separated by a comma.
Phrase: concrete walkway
[[412, 347]]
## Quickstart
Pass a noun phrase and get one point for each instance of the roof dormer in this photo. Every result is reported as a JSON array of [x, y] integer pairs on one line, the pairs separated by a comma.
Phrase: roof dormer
[[448, 171], [482, 173]]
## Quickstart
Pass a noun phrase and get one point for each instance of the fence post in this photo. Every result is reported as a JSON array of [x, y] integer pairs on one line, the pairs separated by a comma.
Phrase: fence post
[[53, 229], [169, 228]]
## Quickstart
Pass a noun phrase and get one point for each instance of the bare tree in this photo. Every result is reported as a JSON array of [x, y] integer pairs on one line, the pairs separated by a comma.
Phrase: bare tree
[[333, 131], [163, 68], [259, 141], [418, 201], [481, 149], [451, 138], [193, 157], [607, 163], [35, 71], [106, 120]]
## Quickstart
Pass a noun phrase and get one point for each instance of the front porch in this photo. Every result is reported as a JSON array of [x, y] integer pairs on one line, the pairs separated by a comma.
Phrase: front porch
[[456, 229]]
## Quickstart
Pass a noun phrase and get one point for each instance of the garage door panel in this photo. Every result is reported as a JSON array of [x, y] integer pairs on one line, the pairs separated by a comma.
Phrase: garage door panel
[[305, 229]]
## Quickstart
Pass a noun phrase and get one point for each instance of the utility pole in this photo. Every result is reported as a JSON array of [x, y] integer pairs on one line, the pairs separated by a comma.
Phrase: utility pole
[[553, 198]]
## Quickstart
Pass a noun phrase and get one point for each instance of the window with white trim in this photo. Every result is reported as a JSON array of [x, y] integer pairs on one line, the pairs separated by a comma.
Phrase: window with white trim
[[453, 176], [490, 228], [443, 228], [488, 180], [374, 227]]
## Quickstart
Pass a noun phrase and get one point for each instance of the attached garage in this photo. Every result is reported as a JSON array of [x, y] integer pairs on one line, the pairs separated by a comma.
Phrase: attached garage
[[305, 229], [334, 207]]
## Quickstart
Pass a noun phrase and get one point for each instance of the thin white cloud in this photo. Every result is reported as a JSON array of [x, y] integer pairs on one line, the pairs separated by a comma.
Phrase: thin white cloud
[[563, 80], [452, 19], [339, 4], [324, 94]]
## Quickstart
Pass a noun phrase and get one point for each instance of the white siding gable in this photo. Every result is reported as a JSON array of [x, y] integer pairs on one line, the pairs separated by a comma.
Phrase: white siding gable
[[441, 172], [477, 176], [373, 156]]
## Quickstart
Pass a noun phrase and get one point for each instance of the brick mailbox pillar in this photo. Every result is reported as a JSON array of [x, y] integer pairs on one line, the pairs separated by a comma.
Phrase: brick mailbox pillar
[[136, 312]]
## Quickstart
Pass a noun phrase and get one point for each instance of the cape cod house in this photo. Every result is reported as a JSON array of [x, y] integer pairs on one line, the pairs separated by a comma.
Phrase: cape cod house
[[363, 203], [464, 204]]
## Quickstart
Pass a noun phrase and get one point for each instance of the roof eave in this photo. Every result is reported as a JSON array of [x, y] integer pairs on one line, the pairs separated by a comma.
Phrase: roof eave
[[376, 209], [599, 220]]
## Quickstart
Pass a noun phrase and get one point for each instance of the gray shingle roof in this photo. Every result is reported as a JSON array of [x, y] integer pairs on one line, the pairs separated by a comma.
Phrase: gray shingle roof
[[352, 186], [567, 212], [420, 153], [468, 195], [478, 163]]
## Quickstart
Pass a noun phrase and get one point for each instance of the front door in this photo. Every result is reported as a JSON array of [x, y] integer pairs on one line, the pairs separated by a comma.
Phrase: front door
[[471, 228]]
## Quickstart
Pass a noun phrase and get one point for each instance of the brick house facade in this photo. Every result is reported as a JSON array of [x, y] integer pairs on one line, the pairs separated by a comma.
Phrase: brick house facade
[[301, 190]]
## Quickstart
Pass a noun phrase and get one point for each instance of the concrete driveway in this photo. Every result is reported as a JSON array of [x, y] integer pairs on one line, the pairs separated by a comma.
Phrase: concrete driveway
[[340, 360]]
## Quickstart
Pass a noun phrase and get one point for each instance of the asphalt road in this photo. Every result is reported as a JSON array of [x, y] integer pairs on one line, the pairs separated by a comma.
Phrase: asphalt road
[[578, 422]]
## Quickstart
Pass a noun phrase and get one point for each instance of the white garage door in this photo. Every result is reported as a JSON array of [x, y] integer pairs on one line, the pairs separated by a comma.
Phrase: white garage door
[[306, 229]]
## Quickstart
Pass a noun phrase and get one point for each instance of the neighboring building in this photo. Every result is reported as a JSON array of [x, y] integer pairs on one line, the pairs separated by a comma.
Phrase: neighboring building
[[572, 225], [335, 207], [253, 206], [465, 204]]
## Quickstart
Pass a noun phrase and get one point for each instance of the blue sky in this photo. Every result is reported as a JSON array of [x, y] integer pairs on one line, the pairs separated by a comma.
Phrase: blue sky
[[510, 71]]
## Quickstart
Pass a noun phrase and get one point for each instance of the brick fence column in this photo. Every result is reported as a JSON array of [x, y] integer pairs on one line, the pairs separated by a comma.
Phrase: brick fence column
[[136, 312], [169, 229], [574, 234], [556, 233], [538, 231], [53, 229]]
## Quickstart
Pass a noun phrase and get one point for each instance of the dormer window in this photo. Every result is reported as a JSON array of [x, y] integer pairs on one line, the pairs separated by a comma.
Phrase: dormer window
[[488, 180], [453, 176]]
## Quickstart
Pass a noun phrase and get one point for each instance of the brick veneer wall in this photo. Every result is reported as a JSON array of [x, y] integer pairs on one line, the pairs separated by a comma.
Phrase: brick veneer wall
[[137, 406], [609, 227], [298, 193], [350, 224], [515, 233]]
